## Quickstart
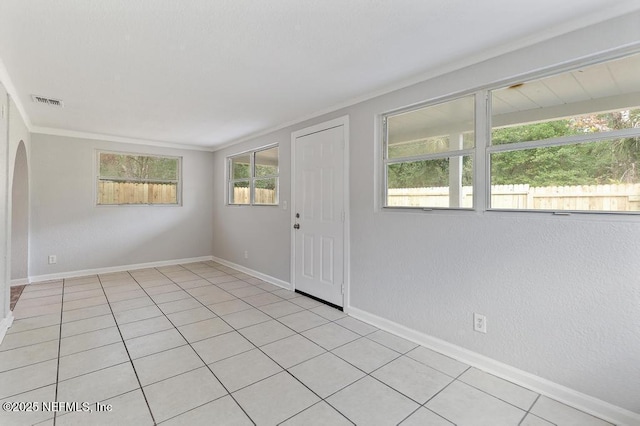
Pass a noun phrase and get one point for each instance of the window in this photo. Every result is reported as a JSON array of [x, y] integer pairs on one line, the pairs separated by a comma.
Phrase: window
[[568, 142], [428, 155], [137, 179], [253, 177], [561, 143]]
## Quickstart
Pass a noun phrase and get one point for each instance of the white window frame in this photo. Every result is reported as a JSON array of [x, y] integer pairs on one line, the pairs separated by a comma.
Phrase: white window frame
[[252, 177], [177, 182], [484, 149], [463, 152], [552, 142]]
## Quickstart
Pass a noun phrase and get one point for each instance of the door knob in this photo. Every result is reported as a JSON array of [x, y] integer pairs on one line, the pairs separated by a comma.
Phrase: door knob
[[296, 226]]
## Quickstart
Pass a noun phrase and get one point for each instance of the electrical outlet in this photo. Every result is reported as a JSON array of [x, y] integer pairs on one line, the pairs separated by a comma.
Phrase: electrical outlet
[[53, 259], [246, 254], [480, 323]]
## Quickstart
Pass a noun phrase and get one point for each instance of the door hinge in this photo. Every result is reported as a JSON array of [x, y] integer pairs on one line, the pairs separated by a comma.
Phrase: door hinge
[[342, 288], [343, 216]]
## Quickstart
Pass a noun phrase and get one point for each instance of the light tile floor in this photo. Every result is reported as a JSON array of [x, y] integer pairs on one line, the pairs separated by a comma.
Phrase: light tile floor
[[202, 343]]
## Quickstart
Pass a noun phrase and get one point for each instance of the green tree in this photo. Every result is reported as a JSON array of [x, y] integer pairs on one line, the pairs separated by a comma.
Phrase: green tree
[[138, 167], [609, 161]]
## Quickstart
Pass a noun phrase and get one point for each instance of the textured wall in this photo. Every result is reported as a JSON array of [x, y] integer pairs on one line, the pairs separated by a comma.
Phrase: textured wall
[[66, 222], [561, 294]]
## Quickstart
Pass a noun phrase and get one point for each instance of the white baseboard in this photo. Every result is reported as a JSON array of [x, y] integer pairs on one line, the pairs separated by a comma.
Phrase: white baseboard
[[259, 275], [5, 324], [586, 403], [84, 272], [19, 281]]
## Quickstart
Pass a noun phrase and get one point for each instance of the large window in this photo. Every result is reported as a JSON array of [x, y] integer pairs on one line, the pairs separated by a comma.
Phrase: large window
[[562, 143], [125, 178], [569, 142], [253, 177], [428, 155]]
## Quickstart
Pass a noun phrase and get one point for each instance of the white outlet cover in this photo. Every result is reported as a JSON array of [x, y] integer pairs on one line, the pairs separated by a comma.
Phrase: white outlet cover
[[480, 323]]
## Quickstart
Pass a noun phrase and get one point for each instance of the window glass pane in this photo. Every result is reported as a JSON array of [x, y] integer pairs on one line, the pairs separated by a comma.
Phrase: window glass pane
[[602, 175], [594, 99], [137, 179], [266, 191], [138, 167], [431, 183], [266, 162], [576, 125], [448, 126], [113, 192], [257, 185], [240, 192], [240, 167]]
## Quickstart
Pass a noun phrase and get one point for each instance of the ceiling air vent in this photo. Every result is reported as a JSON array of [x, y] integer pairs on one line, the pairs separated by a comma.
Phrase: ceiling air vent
[[47, 101]]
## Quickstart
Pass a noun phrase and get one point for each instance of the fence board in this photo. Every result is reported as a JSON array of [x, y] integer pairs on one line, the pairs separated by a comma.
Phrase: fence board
[[110, 192], [616, 197], [262, 195]]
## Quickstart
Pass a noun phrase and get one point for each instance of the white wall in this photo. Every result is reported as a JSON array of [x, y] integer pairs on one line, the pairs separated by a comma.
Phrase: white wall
[[66, 222], [20, 218], [263, 231], [13, 133], [5, 276], [19, 137], [561, 294]]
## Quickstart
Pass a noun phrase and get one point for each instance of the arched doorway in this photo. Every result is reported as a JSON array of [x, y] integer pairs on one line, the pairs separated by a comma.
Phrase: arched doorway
[[20, 221]]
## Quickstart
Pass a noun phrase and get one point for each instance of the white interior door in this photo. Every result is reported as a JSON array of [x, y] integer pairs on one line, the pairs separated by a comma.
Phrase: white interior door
[[319, 214]]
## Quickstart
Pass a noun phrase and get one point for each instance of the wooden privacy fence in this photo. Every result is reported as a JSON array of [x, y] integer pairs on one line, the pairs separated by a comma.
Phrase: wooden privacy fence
[[263, 196], [110, 192], [617, 197]]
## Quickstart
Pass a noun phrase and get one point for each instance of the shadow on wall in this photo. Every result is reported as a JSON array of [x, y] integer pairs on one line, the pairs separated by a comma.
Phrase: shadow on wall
[[20, 217]]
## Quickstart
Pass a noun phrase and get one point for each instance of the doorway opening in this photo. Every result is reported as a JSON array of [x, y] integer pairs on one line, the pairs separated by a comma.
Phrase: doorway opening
[[19, 224]]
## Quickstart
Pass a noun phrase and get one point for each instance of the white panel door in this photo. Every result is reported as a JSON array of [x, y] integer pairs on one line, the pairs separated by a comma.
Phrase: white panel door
[[319, 214]]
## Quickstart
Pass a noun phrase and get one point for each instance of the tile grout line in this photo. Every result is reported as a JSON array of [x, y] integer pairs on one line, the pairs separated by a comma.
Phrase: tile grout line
[[200, 357], [526, 411], [66, 287], [55, 397], [313, 405], [303, 308], [400, 354], [265, 354], [127, 350], [321, 399]]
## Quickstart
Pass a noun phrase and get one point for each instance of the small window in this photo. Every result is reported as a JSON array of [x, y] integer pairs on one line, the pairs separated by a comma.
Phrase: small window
[[253, 177], [428, 155], [569, 142], [137, 179]]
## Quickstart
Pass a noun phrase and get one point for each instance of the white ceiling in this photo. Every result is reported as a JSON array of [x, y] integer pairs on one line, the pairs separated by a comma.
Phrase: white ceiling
[[210, 72]]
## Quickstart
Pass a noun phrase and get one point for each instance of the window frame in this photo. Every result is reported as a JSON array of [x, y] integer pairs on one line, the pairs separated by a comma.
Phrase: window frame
[[483, 147], [463, 152], [99, 177], [252, 177], [551, 142]]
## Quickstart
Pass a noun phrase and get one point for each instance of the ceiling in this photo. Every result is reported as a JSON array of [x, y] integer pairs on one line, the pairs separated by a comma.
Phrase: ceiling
[[606, 86], [207, 73]]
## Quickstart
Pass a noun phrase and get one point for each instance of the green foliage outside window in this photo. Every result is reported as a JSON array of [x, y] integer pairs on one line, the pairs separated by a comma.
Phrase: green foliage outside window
[[138, 167], [606, 162], [426, 173]]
